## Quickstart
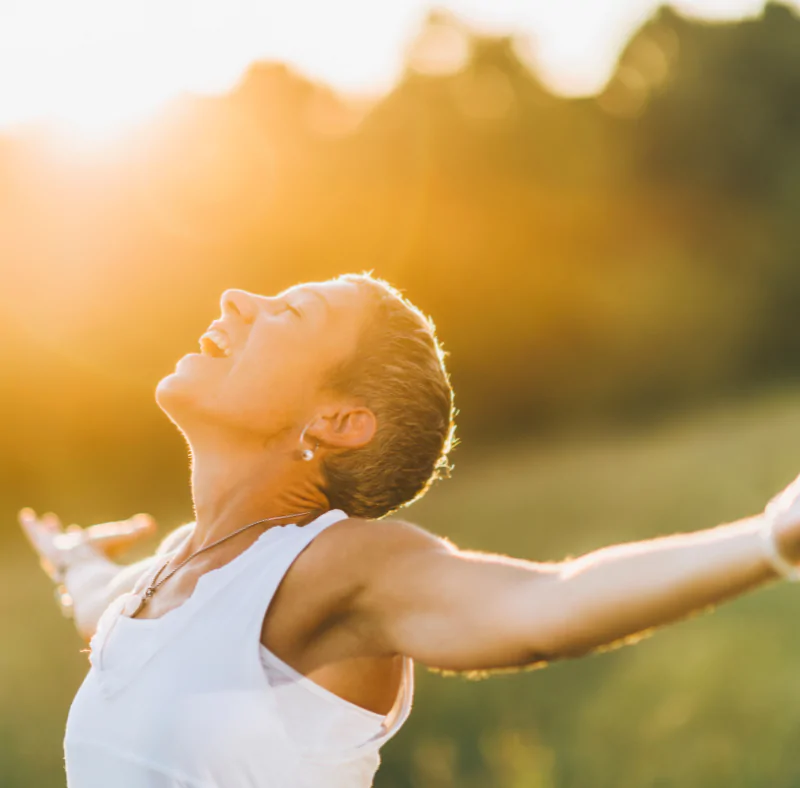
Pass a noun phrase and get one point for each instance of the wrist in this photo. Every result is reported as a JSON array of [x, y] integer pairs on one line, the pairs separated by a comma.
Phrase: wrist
[[779, 547], [77, 561], [73, 550], [83, 590], [787, 538]]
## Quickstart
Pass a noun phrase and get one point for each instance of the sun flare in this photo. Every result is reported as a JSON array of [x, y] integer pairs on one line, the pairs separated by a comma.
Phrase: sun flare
[[100, 68]]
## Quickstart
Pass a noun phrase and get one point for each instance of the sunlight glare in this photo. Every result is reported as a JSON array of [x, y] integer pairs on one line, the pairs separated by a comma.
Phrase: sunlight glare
[[100, 68], [97, 70]]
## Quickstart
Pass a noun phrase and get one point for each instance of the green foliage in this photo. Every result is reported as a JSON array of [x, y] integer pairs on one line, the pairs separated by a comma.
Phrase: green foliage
[[711, 702], [586, 258], [586, 261]]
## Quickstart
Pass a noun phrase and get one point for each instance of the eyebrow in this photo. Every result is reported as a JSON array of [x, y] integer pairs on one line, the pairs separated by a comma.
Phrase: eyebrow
[[300, 291], [321, 297]]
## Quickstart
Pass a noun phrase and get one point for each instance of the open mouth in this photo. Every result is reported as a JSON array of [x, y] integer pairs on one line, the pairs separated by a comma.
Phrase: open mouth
[[215, 344]]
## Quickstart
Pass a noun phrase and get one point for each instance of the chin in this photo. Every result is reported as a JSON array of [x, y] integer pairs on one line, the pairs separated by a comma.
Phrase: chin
[[189, 395], [181, 389], [173, 397]]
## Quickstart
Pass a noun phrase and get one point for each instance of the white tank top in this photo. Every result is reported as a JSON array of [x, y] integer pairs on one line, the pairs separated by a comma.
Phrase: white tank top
[[193, 700]]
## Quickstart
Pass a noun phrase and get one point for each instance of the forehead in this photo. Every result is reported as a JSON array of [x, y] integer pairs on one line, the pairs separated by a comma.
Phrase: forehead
[[335, 294], [335, 311]]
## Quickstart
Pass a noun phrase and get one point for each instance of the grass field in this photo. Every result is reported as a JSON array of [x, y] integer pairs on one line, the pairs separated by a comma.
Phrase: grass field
[[711, 702]]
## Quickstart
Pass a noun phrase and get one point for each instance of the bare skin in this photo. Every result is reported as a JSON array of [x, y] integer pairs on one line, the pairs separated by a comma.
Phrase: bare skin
[[366, 593]]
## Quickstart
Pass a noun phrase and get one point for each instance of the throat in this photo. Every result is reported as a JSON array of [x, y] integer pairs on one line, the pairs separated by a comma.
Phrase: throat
[[235, 488]]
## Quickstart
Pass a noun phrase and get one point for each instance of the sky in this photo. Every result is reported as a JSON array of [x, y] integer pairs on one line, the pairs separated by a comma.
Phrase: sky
[[101, 65]]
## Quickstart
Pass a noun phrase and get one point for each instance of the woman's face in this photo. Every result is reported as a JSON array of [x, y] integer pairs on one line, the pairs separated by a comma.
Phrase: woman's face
[[263, 362]]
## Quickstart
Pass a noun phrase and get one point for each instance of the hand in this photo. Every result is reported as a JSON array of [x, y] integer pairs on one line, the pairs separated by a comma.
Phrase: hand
[[784, 509], [56, 546]]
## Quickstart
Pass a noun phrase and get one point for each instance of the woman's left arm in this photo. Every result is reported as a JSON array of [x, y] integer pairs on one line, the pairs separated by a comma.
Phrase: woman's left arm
[[466, 611]]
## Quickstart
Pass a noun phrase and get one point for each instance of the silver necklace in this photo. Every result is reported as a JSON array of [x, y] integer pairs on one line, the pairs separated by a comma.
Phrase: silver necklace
[[159, 581]]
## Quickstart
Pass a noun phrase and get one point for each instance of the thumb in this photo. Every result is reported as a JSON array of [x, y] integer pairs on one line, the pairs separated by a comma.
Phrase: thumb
[[116, 537]]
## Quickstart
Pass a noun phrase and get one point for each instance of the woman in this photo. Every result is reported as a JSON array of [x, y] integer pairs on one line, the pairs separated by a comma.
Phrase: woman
[[271, 643]]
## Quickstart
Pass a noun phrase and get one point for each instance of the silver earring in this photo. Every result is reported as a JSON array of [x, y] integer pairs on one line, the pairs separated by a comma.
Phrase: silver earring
[[307, 454]]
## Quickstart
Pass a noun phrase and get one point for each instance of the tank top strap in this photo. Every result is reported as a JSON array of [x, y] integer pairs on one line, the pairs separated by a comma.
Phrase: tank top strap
[[260, 579]]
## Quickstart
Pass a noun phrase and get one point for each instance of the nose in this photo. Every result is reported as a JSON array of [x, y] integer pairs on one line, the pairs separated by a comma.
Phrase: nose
[[239, 303]]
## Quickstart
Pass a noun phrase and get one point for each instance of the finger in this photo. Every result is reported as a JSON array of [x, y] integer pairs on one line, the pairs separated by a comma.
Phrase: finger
[[142, 525], [27, 519], [785, 499], [52, 522], [138, 525], [30, 525], [48, 567], [41, 538], [112, 538], [26, 514]]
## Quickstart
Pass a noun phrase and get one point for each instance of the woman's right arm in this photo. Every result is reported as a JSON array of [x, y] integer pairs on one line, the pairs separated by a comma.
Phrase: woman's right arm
[[78, 560]]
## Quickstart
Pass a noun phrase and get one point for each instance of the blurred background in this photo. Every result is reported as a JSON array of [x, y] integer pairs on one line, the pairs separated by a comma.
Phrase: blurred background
[[597, 202]]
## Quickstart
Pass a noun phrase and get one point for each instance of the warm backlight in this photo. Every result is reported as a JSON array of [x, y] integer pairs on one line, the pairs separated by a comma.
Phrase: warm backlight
[[101, 66]]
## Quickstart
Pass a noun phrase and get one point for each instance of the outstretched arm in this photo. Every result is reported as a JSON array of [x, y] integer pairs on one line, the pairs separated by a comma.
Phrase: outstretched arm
[[463, 611], [80, 560]]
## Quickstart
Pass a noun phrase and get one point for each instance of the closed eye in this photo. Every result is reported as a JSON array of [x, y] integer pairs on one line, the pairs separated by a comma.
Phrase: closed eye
[[294, 310]]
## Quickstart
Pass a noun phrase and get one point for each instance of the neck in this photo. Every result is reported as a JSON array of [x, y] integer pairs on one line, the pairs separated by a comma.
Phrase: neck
[[234, 484]]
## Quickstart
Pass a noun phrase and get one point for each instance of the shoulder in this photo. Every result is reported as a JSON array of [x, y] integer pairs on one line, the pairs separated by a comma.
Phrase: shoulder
[[353, 557], [364, 547], [383, 533], [331, 584], [173, 539]]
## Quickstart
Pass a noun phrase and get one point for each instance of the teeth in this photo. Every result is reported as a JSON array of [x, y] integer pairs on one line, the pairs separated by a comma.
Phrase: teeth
[[215, 340]]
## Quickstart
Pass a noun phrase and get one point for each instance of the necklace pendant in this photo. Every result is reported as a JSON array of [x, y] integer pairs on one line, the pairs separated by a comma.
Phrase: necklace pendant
[[143, 600]]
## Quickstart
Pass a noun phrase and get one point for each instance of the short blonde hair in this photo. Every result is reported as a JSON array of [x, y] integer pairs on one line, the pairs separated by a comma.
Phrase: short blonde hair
[[399, 372]]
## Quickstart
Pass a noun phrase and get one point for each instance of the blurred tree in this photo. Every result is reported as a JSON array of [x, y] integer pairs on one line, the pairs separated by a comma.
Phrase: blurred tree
[[583, 258], [596, 258]]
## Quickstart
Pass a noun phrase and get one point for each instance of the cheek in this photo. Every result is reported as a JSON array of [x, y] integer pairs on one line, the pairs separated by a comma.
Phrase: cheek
[[271, 367], [265, 395]]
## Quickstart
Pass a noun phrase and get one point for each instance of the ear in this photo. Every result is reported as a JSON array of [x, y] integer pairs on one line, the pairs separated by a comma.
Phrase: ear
[[348, 427]]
